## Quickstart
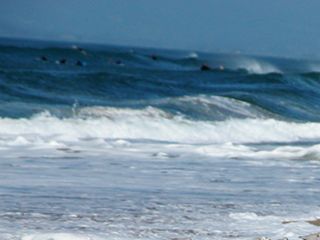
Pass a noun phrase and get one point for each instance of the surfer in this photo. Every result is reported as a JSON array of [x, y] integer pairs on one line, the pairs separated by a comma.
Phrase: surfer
[[44, 58], [62, 61], [154, 57], [205, 67]]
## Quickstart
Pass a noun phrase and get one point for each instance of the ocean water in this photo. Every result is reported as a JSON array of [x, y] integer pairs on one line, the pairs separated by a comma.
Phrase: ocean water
[[104, 142]]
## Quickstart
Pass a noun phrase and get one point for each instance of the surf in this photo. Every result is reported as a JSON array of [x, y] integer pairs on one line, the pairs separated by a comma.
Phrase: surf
[[154, 124]]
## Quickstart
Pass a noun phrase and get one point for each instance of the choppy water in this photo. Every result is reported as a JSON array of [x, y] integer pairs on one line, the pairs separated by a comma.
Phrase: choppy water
[[141, 144]]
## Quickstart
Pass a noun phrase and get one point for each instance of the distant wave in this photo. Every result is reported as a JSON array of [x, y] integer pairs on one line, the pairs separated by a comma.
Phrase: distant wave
[[193, 55], [256, 66]]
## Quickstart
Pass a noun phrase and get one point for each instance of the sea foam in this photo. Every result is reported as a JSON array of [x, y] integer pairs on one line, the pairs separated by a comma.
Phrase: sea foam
[[153, 124]]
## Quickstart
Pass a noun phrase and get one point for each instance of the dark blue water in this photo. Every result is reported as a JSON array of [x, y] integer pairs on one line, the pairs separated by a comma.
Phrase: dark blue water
[[136, 78], [104, 142]]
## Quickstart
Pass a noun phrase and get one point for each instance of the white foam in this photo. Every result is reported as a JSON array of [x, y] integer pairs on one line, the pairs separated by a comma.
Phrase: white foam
[[256, 66], [193, 55], [313, 67], [230, 150], [269, 226], [56, 236], [149, 123], [219, 105]]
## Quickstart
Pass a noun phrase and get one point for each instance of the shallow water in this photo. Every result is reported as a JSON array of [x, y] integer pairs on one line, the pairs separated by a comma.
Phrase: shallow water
[[156, 149]]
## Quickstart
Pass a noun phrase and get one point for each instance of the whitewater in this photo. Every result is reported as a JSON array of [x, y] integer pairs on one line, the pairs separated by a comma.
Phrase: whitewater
[[104, 142]]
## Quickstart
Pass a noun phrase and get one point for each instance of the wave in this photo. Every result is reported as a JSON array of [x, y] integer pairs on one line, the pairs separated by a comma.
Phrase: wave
[[193, 55], [256, 66], [212, 108], [152, 124], [313, 67], [230, 150], [248, 87], [101, 57]]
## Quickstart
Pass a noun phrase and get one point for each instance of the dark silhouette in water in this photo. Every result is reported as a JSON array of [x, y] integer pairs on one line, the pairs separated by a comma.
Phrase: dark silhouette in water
[[115, 62], [154, 57], [205, 67], [79, 63], [62, 61], [44, 58], [79, 49], [119, 62]]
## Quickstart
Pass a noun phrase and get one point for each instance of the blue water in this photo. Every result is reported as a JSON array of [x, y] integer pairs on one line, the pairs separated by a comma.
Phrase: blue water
[[104, 142]]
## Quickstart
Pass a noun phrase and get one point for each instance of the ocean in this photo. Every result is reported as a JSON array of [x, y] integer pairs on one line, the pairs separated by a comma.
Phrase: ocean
[[104, 142]]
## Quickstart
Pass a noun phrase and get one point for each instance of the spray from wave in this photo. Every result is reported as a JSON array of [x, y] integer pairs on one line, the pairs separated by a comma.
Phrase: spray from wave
[[256, 66]]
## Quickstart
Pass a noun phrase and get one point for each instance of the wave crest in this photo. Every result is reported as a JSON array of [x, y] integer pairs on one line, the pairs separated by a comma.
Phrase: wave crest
[[257, 66], [154, 124]]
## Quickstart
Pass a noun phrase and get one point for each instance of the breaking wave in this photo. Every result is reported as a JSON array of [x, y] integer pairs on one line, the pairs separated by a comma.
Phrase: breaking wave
[[153, 124]]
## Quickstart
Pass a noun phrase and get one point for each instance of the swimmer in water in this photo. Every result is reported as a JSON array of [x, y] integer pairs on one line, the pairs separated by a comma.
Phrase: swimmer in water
[[154, 57], [205, 67], [43, 58], [61, 61]]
